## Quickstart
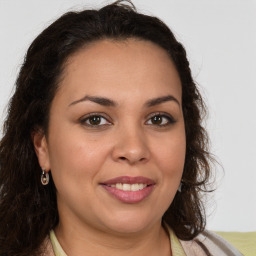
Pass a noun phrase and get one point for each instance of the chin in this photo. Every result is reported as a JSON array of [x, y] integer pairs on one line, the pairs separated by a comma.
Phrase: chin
[[131, 223]]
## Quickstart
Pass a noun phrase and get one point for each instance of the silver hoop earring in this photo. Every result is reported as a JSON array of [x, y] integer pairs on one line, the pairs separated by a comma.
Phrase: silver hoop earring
[[180, 187], [44, 177]]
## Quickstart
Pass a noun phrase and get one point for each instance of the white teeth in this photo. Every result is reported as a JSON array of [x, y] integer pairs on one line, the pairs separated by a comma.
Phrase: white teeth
[[129, 187], [126, 187], [119, 186], [134, 187], [141, 186]]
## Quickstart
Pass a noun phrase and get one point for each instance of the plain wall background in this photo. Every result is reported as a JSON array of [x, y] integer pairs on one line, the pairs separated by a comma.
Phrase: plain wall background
[[220, 39]]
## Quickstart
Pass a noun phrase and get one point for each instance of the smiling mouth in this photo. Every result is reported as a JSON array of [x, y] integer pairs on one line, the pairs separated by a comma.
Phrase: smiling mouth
[[129, 189]]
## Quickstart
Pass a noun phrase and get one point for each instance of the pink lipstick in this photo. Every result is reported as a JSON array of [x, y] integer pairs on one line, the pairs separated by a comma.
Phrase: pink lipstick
[[129, 189]]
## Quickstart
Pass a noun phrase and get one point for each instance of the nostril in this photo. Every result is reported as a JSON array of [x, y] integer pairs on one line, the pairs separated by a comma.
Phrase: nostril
[[122, 158]]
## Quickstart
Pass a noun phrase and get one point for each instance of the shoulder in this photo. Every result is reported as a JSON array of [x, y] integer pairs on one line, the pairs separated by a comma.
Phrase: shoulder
[[47, 248], [209, 243]]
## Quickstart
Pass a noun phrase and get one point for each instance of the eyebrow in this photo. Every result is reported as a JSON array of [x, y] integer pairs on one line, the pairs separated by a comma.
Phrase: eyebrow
[[110, 103], [99, 100], [159, 100]]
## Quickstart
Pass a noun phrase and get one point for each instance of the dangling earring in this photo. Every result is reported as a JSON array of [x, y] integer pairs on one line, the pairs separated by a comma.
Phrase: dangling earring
[[44, 177], [180, 187]]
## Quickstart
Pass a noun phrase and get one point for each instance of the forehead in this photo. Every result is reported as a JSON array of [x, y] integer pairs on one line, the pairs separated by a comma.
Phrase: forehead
[[126, 66]]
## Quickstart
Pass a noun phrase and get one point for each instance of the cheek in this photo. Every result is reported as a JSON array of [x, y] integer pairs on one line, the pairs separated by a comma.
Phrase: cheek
[[76, 157], [170, 154]]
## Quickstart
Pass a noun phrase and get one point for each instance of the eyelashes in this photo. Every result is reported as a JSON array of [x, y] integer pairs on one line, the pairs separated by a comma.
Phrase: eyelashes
[[101, 120], [160, 119], [95, 119]]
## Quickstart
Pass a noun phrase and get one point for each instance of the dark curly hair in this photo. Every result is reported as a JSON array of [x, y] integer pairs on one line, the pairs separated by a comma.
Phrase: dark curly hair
[[28, 210]]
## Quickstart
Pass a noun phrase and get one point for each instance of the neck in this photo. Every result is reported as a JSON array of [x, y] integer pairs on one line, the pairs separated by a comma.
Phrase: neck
[[77, 240]]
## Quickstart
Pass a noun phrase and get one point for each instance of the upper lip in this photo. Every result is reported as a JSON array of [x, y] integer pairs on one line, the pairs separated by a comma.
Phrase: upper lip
[[129, 180]]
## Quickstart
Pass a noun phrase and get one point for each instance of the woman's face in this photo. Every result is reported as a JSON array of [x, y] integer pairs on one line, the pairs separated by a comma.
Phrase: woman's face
[[116, 140]]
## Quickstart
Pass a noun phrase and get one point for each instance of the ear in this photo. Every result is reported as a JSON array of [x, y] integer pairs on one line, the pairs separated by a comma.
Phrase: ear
[[41, 149]]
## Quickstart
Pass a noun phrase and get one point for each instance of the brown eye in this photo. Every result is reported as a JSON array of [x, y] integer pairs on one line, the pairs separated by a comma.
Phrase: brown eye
[[160, 120], [94, 121], [157, 120]]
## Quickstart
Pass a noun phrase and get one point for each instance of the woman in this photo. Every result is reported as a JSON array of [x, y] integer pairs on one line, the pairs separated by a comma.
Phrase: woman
[[103, 150]]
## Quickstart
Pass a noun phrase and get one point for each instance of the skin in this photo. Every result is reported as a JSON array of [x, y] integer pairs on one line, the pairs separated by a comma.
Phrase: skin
[[126, 142]]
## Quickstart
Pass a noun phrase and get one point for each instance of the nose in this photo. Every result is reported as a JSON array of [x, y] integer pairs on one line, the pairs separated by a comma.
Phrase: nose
[[131, 146]]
